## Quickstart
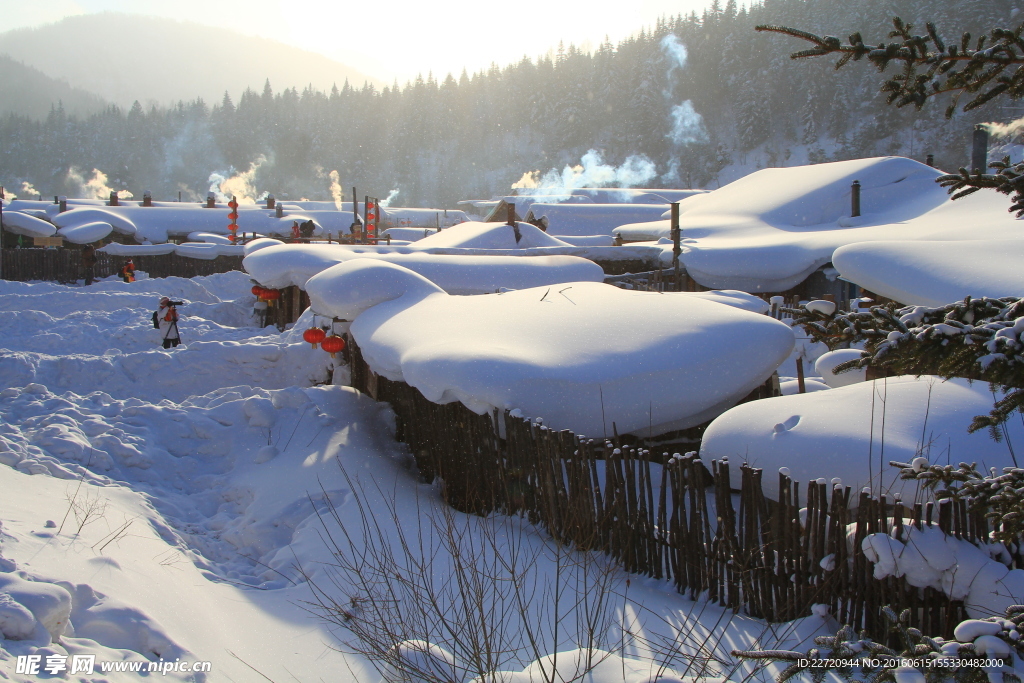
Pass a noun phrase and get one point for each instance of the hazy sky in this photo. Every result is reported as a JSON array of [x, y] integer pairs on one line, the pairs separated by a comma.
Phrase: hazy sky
[[392, 37]]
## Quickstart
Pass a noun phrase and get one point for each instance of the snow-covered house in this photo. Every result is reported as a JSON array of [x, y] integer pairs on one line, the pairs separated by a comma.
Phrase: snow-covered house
[[779, 228], [581, 355]]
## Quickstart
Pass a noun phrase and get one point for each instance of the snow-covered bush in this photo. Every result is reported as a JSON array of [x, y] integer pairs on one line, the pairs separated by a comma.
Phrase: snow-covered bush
[[974, 339], [458, 597], [967, 658]]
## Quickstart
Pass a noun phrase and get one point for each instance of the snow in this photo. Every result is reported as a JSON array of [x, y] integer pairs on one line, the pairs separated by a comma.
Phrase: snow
[[573, 354], [854, 431], [826, 363], [208, 237], [473, 235], [934, 273], [593, 219], [82, 216], [166, 504], [959, 569], [24, 224], [771, 229], [86, 233], [408, 234], [294, 264]]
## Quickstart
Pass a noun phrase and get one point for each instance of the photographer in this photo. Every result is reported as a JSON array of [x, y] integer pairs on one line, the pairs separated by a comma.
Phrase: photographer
[[166, 320]]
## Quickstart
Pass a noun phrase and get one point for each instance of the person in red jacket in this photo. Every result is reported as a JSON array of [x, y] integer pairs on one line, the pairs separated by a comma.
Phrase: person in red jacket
[[167, 320], [127, 271]]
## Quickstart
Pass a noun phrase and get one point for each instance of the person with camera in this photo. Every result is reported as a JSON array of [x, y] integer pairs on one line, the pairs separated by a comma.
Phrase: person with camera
[[166, 320]]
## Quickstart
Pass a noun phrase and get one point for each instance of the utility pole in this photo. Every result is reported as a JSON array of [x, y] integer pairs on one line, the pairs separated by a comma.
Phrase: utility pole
[[1, 233], [677, 248]]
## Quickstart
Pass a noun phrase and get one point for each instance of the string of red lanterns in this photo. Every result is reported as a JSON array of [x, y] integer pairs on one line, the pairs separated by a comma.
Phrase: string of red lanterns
[[233, 227], [266, 294]]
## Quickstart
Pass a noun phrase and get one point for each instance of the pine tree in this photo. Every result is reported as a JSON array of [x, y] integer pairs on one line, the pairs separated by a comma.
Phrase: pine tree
[[989, 68]]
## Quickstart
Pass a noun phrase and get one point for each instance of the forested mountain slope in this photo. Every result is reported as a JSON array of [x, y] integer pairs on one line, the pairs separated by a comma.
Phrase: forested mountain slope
[[705, 98]]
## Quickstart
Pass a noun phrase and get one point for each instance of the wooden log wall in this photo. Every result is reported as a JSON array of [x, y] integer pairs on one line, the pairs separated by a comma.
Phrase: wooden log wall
[[65, 265], [676, 518]]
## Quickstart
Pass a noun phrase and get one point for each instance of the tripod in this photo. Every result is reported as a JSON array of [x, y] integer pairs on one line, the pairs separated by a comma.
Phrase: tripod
[[172, 337]]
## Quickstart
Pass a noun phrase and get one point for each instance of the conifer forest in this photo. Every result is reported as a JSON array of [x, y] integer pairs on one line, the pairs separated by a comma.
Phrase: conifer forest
[[705, 98]]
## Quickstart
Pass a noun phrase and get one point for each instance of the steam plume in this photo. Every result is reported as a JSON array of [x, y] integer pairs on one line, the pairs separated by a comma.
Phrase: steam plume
[[1005, 130], [391, 196], [95, 187], [240, 185], [336, 194], [590, 172]]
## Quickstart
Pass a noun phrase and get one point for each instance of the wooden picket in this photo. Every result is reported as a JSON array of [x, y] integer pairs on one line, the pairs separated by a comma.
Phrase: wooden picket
[[673, 517]]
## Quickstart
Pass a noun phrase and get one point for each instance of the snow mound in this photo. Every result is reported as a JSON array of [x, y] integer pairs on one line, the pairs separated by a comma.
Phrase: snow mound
[[771, 229], [490, 236], [580, 355], [827, 362], [854, 431], [85, 233], [294, 264], [26, 604], [208, 237], [103, 335], [593, 219], [23, 224], [347, 289], [929, 558], [934, 273], [408, 234], [82, 216]]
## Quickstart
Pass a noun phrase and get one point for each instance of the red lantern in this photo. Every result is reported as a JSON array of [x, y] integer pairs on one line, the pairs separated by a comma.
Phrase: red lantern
[[256, 289], [314, 336], [271, 294], [333, 344]]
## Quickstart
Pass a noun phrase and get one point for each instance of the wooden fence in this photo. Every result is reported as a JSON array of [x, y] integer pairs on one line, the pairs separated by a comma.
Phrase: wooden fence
[[65, 265], [677, 518]]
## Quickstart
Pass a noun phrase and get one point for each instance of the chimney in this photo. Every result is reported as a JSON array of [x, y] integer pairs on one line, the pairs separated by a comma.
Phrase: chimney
[[855, 199], [113, 198], [147, 198], [979, 153], [271, 202], [930, 160], [211, 201], [62, 202], [279, 210]]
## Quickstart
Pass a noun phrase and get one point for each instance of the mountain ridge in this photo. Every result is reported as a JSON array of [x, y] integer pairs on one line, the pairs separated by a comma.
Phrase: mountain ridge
[[122, 58], [29, 92]]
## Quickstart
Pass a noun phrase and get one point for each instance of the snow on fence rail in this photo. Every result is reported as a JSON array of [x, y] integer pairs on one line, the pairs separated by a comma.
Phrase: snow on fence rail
[[65, 265], [672, 518]]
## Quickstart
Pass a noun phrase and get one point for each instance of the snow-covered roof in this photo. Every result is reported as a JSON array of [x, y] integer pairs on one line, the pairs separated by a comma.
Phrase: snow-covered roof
[[935, 273], [24, 224], [853, 432], [580, 355], [770, 229], [86, 233], [199, 250], [593, 219], [473, 235], [294, 264]]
